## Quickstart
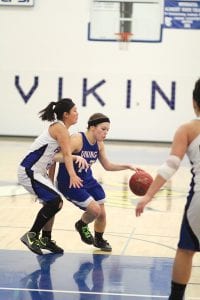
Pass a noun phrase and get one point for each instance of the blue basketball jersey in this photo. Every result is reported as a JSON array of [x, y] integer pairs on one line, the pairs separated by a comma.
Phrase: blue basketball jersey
[[91, 189]]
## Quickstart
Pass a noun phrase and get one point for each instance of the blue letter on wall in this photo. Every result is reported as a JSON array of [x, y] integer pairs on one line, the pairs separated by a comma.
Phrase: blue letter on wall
[[92, 91], [26, 97], [170, 102]]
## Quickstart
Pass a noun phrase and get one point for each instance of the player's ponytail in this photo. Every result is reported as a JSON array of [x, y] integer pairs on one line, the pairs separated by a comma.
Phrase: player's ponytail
[[55, 110], [47, 114]]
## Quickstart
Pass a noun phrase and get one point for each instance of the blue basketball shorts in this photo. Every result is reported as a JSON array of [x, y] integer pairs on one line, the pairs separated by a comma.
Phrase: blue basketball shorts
[[82, 197], [38, 184], [190, 228]]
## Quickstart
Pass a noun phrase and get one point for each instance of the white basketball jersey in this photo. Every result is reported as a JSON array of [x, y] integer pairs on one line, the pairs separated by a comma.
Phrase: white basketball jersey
[[41, 153]]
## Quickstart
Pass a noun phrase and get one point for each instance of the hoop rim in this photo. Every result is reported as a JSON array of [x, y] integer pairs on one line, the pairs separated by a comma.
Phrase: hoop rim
[[124, 36]]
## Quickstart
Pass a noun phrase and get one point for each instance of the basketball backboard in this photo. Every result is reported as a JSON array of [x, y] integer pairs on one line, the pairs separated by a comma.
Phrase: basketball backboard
[[143, 19]]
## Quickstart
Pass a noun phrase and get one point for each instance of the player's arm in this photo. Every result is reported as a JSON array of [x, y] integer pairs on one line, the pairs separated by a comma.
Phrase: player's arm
[[75, 145], [180, 141], [168, 169], [108, 165], [60, 133]]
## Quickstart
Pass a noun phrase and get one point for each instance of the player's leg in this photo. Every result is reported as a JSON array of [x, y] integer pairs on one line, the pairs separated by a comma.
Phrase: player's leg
[[187, 246], [47, 229], [46, 239], [52, 203], [91, 213], [181, 273], [99, 228], [82, 199], [100, 222]]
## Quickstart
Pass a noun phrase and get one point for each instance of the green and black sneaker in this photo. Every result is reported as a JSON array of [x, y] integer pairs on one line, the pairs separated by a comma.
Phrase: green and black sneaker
[[31, 240], [48, 244], [85, 233], [102, 244]]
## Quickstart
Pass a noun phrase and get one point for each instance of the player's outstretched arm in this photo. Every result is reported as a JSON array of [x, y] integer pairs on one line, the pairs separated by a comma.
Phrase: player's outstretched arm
[[110, 166], [152, 190]]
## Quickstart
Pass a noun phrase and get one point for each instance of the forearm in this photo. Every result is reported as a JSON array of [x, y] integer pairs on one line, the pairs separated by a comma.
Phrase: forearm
[[117, 167], [68, 160], [153, 189], [155, 186]]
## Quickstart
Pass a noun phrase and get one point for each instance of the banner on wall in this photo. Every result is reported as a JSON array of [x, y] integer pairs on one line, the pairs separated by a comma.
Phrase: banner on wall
[[182, 14], [17, 2]]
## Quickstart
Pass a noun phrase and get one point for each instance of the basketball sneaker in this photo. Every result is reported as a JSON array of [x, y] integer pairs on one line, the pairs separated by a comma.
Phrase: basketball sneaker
[[31, 240], [48, 244], [85, 233], [102, 244]]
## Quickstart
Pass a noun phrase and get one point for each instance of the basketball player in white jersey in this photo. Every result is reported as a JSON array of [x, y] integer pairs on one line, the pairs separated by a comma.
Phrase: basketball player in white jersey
[[33, 171], [186, 141]]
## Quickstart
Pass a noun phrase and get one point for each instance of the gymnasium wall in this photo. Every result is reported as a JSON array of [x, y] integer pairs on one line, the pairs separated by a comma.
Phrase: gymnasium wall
[[45, 54]]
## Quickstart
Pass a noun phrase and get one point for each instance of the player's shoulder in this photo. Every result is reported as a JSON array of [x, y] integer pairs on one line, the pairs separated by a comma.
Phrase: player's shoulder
[[186, 132], [193, 124], [76, 136], [57, 128], [57, 123], [76, 140], [183, 128]]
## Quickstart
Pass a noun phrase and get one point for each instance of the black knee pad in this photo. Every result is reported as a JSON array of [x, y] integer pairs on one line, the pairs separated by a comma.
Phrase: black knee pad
[[52, 207]]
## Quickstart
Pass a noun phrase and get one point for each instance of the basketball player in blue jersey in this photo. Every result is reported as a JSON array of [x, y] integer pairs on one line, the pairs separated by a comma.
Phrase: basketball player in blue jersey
[[91, 196], [186, 141], [33, 172]]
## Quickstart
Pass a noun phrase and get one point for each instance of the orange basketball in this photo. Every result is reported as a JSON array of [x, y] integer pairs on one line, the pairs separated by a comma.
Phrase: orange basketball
[[139, 182]]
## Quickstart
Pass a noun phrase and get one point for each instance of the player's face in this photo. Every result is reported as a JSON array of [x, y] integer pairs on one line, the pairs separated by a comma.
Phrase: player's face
[[73, 115], [101, 131]]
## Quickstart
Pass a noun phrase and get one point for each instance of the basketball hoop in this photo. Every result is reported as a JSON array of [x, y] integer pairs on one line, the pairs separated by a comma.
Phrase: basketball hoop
[[124, 39]]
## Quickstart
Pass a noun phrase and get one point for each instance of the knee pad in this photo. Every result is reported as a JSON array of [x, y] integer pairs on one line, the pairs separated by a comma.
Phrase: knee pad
[[52, 207]]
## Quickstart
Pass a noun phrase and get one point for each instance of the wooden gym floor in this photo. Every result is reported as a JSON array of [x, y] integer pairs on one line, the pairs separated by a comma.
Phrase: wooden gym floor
[[139, 266]]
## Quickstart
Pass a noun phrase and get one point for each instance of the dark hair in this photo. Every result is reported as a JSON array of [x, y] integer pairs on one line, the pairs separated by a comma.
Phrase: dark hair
[[196, 92], [96, 119], [55, 110]]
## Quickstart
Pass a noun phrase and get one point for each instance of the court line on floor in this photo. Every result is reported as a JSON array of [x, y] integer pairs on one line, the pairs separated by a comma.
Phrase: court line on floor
[[130, 237], [91, 293], [82, 292]]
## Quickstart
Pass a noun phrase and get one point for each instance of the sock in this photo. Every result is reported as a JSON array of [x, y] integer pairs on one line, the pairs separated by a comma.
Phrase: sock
[[177, 291], [81, 223], [46, 234], [98, 235]]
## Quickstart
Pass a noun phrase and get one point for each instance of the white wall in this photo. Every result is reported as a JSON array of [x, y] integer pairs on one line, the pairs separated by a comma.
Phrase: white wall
[[49, 41]]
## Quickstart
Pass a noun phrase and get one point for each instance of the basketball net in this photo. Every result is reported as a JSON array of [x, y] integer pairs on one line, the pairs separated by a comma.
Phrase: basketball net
[[124, 39]]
